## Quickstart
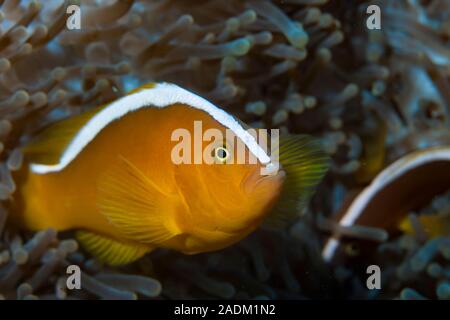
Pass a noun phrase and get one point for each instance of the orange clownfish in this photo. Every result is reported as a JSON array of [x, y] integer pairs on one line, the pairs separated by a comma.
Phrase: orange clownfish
[[109, 174]]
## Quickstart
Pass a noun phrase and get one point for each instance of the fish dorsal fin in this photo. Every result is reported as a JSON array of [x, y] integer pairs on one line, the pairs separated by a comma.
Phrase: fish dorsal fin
[[150, 85], [48, 146], [50, 143], [435, 225], [148, 96], [136, 206], [109, 251], [305, 164]]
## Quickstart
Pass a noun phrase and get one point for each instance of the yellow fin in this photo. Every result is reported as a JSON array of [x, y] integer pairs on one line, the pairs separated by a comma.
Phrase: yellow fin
[[50, 143], [305, 164], [136, 206], [111, 251], [434, 225], [149, 85]]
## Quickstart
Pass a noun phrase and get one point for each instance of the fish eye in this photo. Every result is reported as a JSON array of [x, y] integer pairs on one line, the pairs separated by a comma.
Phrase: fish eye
[[221, 154]]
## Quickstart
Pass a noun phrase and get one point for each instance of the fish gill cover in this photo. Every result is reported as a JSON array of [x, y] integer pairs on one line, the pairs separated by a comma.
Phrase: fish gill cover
[[304, 66]]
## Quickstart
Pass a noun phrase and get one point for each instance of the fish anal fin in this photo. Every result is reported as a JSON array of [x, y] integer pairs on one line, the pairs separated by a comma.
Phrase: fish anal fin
[[111, 251], [140, 209], [305, 164]]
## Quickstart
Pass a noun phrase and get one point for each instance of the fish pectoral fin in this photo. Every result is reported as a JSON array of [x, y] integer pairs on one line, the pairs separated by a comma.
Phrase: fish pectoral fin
[[139, 209], [110, 251], [305, 164]]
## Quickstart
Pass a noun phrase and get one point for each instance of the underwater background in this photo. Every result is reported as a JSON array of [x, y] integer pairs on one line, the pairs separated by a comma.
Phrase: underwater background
[[304, 66]]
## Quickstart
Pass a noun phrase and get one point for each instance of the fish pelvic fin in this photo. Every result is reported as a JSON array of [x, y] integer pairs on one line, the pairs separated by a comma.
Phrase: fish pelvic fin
[[305, 164], [136, 206], [110, 251]]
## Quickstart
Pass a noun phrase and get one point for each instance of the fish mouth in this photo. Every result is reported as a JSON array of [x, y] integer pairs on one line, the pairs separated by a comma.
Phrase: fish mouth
[[255, 179]]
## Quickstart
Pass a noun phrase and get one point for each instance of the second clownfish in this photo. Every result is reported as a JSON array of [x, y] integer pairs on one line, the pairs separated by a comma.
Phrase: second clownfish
[[109, 174]]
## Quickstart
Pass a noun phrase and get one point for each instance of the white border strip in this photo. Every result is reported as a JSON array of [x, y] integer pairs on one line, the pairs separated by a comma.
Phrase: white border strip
[[160, 96], [387, 176]]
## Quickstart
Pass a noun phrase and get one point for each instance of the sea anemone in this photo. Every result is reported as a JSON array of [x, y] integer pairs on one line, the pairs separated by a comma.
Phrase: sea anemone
[[304, 66]]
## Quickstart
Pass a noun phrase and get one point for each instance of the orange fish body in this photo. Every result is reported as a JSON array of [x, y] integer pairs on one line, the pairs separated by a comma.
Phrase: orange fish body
[[123, 193]]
